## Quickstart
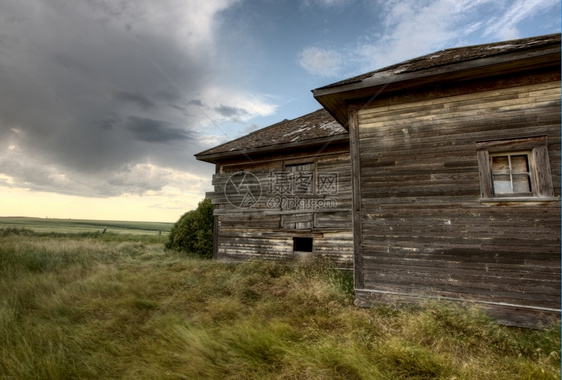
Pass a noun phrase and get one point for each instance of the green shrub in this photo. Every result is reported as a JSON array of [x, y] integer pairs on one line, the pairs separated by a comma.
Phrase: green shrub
[[193, 232]]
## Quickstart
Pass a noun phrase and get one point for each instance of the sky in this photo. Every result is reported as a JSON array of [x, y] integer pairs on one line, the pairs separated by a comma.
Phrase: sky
[[103, 103]]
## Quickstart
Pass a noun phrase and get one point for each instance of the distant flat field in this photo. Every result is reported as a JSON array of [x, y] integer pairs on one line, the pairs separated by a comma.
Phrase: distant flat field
[[83, 225]]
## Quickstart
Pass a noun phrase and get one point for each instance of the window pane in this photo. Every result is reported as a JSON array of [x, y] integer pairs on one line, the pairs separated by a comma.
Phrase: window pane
[[524, 160], [500, 164], [502, 184], [519, 164], [521, 183]]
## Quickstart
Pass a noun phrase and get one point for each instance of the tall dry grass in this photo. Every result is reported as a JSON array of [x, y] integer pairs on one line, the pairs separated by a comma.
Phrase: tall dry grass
[[119, 308]]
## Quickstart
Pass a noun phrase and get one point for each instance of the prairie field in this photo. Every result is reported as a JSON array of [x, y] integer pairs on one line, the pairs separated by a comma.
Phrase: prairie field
[[73, 226], [120, 306]]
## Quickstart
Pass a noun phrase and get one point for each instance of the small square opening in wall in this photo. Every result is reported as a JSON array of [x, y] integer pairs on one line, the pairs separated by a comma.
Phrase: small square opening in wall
[[302, 244]]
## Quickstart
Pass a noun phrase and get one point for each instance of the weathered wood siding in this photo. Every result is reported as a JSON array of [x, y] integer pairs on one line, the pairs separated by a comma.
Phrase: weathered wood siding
[[423, 228], [266, 229]]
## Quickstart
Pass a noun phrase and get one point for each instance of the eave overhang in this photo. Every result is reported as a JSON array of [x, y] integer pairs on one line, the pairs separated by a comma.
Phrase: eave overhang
[[336, 98], [252, 153]]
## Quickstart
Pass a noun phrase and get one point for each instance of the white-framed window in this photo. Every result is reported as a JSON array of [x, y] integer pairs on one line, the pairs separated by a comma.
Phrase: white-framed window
[[515, 169]]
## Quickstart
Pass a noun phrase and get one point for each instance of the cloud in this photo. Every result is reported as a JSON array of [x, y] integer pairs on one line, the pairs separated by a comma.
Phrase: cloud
[[414, 28], [93, 91], [325, 3], [506, 26], [321, 62], [143, 179], [150, 130], [143, 102], [209, 141], [417, 28], [140, 178], [225, 103], [409, 28], [230, 112], [107, 97]]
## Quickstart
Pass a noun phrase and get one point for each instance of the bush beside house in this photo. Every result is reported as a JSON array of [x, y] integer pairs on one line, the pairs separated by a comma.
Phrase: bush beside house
[[193, 232]]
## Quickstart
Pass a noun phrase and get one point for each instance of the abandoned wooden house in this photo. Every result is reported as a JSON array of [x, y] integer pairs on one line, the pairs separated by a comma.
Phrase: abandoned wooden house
[[284, 192], [444, 183], [456, 177]]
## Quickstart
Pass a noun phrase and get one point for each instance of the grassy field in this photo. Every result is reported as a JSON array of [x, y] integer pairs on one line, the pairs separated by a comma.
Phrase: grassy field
[[118, 306], [66, 226]]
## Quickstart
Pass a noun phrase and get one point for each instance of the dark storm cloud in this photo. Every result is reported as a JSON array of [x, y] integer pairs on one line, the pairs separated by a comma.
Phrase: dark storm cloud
[[197, 102], [80, 97], [141, 101], [150, 130], [169, 97], [232, 113], [71, 63], [109, 123]]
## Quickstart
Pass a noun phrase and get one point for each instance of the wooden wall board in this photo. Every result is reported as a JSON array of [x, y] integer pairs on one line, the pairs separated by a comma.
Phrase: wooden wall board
[[423, 227]]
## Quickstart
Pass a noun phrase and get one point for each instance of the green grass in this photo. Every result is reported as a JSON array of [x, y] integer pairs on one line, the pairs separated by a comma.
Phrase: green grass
[[122, 307], [72, 226]]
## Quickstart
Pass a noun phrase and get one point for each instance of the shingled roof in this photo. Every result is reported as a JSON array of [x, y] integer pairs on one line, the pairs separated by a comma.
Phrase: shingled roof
[[450, 65], [316, 127], [455, 55], [446, 65]]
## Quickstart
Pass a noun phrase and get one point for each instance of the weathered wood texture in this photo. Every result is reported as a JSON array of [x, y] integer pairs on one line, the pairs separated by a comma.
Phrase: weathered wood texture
[[424, 230], [507, 314], [266, 228]]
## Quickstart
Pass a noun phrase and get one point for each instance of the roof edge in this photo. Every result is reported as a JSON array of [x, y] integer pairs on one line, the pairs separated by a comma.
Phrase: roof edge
[[541, 43], [241, 137], [214, 157], [335, 98], [385, 77]]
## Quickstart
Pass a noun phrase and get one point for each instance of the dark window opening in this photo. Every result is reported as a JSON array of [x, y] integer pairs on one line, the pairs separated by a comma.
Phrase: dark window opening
[[302, 244]]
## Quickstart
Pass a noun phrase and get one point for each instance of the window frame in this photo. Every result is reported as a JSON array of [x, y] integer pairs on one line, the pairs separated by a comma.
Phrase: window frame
[[292, 166], [289, 166], [536, 148], [512, 172]]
